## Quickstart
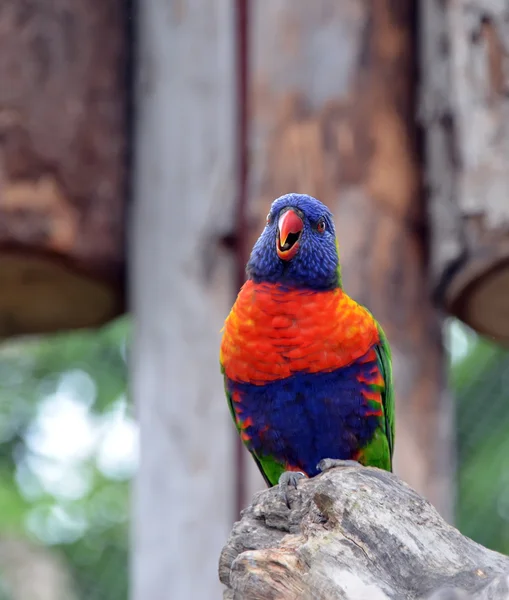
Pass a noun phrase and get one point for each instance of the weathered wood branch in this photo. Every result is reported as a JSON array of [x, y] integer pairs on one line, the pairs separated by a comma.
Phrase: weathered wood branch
[[354, 533]]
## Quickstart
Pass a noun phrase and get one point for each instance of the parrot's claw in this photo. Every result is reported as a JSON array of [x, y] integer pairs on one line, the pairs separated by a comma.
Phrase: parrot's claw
[[329, 463], [289, 478]]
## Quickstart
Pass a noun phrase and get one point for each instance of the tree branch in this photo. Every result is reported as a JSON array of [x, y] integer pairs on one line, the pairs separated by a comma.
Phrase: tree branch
[[354, 533]]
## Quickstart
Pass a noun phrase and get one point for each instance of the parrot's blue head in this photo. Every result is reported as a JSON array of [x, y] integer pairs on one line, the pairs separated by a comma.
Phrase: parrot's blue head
[[298, 245]]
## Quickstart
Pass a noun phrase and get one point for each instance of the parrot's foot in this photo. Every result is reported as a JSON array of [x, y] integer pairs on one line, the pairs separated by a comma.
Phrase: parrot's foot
[[289, 478], [329, 463]]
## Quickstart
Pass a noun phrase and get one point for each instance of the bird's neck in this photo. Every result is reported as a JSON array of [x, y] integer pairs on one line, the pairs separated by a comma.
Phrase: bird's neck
[[289, 282], [320, 330]]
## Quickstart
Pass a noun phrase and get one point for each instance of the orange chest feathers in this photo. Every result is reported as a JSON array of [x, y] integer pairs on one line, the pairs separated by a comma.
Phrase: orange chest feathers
[[273, 332]]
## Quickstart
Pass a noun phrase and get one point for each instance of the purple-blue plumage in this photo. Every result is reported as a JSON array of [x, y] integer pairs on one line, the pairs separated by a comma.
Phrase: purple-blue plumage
[[299, 420]]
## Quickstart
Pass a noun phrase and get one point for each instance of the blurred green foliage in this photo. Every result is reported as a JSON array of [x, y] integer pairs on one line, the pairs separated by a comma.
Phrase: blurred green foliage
[[479, 378], [67, 451], [64, 418]]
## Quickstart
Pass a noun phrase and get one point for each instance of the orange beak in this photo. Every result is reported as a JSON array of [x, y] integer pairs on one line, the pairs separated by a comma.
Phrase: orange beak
[[290, 227]]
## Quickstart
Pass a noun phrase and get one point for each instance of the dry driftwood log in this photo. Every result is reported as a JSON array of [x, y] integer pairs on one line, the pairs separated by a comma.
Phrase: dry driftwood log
[[355, 533]]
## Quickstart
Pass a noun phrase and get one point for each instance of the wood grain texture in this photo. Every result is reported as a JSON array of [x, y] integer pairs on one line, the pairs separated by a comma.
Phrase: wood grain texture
[[355, 533], [465, 112], [181, 292], [63, 137], [332, 115]]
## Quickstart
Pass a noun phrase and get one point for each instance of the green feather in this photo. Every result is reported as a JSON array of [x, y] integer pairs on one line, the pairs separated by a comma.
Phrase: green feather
[[378, 452], [383, 351], [338, 270], [269, 468]]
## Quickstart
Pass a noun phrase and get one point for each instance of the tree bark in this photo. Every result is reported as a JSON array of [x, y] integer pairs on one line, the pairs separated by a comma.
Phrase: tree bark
[[351, 533], [181, 293], [332, 115], [63, 117], [465, 112]]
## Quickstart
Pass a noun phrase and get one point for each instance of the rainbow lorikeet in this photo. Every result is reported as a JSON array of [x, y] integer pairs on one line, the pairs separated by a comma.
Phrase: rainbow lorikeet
[[307, 369]]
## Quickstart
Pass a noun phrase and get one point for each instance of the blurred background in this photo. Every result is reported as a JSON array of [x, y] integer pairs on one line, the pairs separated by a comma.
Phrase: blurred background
[[70, 448], [140, 147]]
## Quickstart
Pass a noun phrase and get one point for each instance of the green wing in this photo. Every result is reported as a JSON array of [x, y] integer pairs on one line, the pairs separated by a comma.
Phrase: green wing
[[229, 400], [383, 352]]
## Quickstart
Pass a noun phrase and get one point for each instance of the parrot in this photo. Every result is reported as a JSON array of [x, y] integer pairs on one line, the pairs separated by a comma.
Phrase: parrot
[[307, 370]]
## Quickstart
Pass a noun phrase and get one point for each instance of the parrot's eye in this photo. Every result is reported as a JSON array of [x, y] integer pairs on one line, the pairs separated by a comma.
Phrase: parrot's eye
[[320, 226], [269, 219]]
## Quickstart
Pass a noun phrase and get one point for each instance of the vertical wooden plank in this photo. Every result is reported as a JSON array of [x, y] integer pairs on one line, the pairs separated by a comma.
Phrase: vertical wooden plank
[[242, 490], [181, 292], [332, 105]]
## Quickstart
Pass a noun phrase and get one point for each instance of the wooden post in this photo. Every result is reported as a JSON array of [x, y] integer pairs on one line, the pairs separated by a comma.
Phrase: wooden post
[[332, 105], [181, 291], [63, 132], [465, 112]]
